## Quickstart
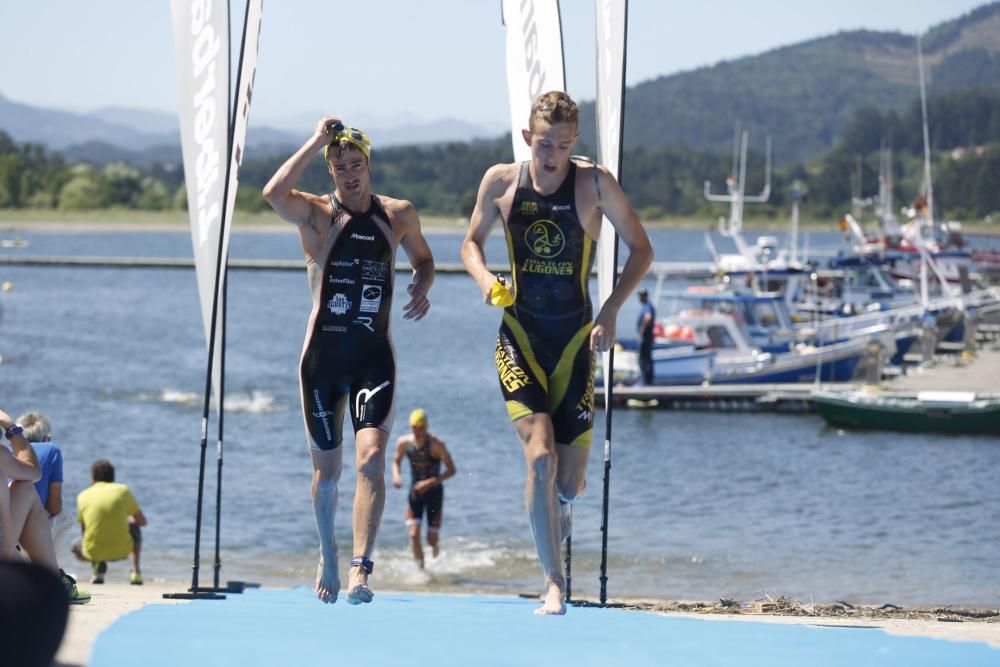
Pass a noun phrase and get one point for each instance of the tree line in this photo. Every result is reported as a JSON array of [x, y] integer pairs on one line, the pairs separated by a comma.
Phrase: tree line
[[661, 182]]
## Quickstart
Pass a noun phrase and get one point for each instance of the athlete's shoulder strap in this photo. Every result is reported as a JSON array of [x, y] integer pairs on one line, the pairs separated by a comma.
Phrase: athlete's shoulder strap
[[524, 176], [335, 207], [568, 187], [378, 209], [592, 163]]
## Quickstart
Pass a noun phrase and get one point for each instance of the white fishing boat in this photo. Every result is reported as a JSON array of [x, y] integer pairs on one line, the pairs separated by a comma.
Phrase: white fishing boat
[[692, 339]]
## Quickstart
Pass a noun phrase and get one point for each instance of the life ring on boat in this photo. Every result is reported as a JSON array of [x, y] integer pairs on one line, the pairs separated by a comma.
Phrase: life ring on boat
[[675, 331]]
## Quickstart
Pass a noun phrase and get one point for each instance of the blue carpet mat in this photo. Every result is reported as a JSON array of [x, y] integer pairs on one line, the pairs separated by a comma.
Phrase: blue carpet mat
[[290, 627]]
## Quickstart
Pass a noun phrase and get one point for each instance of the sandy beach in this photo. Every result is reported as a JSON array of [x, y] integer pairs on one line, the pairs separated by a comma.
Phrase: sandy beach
[[116, 599]]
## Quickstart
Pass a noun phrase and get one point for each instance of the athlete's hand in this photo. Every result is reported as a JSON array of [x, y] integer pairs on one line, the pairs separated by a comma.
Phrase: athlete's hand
[[602, 335], [423, 485], [396, 481], [418, 305], [499, 293], [325, 127]]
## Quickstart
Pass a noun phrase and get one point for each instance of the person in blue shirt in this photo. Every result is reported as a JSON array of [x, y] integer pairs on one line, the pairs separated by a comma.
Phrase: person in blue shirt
[[647, 316], [38, 431], [22, 517]]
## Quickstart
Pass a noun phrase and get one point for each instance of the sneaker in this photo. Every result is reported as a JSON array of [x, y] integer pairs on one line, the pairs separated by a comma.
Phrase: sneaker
[[99, 569], [135, 578], [75, 595]]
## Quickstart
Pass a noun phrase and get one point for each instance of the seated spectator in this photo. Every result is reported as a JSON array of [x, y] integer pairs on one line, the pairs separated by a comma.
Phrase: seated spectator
[[23, 520], [38, 431], [110, 519]]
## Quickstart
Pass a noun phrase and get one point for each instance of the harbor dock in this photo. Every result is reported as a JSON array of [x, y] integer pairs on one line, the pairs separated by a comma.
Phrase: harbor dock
[[946, 372]]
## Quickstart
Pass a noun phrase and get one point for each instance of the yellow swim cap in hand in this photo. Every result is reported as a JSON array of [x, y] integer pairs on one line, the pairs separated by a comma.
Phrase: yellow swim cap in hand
[[500, 295]]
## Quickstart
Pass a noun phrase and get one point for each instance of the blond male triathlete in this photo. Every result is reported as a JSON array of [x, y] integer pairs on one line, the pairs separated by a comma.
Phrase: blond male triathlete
[[551, 209]]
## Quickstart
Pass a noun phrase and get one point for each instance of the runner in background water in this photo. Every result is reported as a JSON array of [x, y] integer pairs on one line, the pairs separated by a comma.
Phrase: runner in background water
[[426, 454]]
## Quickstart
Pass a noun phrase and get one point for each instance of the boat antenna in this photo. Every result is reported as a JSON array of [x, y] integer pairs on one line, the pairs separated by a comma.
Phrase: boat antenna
[[927, 142]]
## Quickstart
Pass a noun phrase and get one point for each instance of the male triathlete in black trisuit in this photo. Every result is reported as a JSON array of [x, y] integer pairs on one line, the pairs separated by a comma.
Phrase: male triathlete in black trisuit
[[426, 454], [349, 239], [551, 208]]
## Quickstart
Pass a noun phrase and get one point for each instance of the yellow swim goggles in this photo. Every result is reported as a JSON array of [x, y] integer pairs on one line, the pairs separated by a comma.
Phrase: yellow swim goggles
[[353, 136]]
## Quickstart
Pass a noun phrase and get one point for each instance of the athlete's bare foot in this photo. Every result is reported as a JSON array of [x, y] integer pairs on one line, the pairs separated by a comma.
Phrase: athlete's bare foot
[[357, 586], [327, 579], [434, 550], [553, 604]]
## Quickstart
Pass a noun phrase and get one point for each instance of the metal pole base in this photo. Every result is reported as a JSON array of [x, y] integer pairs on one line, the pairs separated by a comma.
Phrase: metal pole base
[[206, 595]]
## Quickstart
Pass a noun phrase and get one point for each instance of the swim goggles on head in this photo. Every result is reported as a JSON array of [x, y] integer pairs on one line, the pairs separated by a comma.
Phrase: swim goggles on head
[[352, 135]]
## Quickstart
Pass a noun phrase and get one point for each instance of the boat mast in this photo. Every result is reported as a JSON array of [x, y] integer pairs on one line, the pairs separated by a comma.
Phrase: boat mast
[[927, 142], [929, 188], [735, 195]]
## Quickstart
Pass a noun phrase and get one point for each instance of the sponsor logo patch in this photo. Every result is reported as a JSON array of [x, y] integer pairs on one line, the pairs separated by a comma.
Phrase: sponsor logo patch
[[364, 321], [371, 298], [362, 237], [512, 376], [341, 281], [365, 395], [373, 271], [586, 403], [333, 328], [545, 239], [339, 304], [529, 207], [551, 268], [322, 414]]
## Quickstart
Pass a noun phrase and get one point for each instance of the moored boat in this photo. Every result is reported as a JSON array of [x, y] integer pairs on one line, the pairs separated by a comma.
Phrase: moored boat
[[922, 412]]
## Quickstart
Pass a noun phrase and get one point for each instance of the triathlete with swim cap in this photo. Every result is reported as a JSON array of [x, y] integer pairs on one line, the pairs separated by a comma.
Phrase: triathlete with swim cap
[[349, 239], [551, 207], [426, 454]]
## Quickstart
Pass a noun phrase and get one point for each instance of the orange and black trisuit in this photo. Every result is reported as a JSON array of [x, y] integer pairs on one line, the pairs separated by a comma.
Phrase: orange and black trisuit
[[543, 355]]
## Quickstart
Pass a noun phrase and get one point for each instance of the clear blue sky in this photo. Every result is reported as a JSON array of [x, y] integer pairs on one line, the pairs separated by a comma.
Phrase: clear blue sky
[[421, 58]]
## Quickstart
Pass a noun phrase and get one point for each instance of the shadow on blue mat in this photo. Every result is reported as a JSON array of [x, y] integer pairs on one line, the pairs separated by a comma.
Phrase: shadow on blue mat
[[291, 628]]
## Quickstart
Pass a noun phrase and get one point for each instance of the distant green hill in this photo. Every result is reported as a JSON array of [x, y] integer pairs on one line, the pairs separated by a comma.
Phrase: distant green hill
[[805, 95]]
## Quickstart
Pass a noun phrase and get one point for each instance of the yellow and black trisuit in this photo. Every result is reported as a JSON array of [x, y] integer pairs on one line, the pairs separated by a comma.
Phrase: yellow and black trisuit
[[543, 354]]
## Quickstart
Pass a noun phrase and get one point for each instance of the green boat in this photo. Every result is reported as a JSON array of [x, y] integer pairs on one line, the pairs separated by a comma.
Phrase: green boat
[[921, 412]]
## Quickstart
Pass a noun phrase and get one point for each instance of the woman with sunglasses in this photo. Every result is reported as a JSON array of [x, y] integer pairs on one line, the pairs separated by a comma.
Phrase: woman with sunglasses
[[349, 238]]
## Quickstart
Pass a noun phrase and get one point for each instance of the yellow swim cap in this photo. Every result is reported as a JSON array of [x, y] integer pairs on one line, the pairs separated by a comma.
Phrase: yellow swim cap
[[418, 417], [353, 136]]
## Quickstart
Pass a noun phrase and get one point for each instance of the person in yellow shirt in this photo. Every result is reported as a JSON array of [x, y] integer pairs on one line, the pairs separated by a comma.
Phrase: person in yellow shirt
[[110, 519]]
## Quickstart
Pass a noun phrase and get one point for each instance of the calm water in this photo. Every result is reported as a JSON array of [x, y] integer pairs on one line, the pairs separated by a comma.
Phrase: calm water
[[703, 505]]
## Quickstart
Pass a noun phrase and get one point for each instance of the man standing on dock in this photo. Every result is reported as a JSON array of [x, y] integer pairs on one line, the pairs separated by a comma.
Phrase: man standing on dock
[[552, 210], [647, 317], [349, 238]]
